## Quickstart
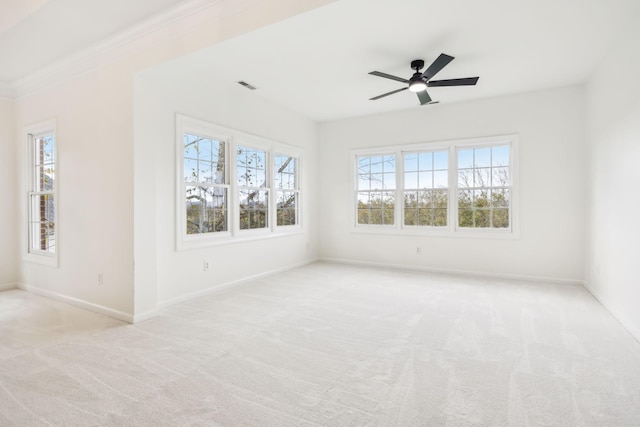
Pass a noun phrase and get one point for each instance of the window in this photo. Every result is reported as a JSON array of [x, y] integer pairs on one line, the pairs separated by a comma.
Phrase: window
[[287, 190], [205, 184], [42, 158], [233, 186], [253, 189], [426, 183], [456, 187], [484, 187], [376, 188]]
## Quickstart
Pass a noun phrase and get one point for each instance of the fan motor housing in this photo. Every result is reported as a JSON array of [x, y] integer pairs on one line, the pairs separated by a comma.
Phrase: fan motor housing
[[417, 64]]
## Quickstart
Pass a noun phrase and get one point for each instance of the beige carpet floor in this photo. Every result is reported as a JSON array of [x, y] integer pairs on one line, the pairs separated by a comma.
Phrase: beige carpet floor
[[326, 345]]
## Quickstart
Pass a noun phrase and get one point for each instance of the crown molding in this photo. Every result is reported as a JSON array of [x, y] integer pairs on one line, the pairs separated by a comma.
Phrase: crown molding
[[99, 53]]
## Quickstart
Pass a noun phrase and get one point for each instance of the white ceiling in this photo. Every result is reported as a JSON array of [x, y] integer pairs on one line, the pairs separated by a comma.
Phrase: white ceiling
[[317, 63], [35, 33]]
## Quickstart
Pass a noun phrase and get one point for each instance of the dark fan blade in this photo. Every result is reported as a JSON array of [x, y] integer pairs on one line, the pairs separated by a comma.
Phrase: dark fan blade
[[468, 81], [424, 97], [387, 94], [388, 76], [437, 65]]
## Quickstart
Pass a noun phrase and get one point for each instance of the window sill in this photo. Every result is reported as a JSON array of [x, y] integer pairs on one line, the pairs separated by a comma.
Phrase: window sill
[[241, 237], [444, 232], [42, 259]]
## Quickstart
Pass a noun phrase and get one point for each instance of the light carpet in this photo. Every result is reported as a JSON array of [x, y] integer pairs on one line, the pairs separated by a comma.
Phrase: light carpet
[[326, 345]]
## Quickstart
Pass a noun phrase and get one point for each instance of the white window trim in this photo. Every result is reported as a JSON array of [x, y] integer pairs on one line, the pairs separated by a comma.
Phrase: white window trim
[[233, 138], [31, 133], [296, 228], [452, 229]]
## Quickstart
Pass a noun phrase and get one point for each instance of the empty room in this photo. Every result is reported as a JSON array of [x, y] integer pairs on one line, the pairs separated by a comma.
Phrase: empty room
[[319, 213]]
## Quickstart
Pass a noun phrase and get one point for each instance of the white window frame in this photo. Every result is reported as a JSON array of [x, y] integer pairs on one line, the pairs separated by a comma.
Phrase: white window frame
[[198, 127], [452, 229], [32, 132], [233, 139], [396, 217], [296, 190], [254, 143], [431, 148]]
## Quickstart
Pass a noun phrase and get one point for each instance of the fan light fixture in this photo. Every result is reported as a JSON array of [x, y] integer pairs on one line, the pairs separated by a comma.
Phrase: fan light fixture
[[419, 82], [417, 85]]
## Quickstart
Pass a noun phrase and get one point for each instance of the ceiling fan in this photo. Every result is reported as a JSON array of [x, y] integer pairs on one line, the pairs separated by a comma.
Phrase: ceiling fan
[[419, 82]]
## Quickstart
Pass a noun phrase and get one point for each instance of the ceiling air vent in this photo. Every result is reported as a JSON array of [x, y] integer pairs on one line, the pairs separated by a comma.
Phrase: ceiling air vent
[[247, 85]]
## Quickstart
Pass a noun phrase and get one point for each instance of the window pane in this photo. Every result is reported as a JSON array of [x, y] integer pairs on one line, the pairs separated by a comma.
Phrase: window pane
[[465, 178], [204, 160], [440, 218], [481, 218], [500, 155], [440, 160], [482, 177], [465, 159], [500, 198], [376, 181], [286, 208], [481, 199], [425, 180], [465, 218], [465, 199], [364, 182], [364, 164], [441, 199], [425, 199], [242, 175], [389, 181], [190, 146], [190, 170], [440, 179], [261, 178], [285, 172], [425, 217], [205, 173], [482, 157], [410, 199], [425, 161], [44, 150], [410, 162], [411, 180], [206, 209], [500, 177], [410, 216], [253, 206], [500, 218], [376, 164]]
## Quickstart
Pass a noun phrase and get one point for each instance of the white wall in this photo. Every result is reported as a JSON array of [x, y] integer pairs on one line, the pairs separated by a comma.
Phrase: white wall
[[94, 173], [92, 100], [183, 87], [613, 268], [9, 191], [550, 125]]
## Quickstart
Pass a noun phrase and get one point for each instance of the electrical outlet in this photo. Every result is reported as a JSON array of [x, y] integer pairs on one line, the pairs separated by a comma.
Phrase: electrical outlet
[[205, 265], [418, 250], [100, 279]]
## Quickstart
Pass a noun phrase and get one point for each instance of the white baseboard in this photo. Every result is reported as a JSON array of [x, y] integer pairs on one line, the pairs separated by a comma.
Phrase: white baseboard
[[232, 284], [623, 320], [465, 273], [96, 308], [145, 316], [8, 286]]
